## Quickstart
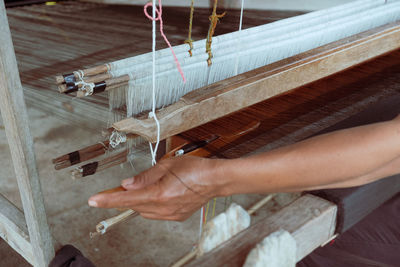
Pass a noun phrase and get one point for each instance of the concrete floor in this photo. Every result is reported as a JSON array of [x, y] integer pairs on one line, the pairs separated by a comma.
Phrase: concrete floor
[[138, 242]]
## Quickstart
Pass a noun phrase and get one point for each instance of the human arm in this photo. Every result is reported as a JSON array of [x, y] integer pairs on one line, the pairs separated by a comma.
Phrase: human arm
[[175, 188]]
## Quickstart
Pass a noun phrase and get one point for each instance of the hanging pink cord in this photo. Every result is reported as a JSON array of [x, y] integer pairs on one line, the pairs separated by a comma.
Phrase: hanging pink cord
[[159, 17]]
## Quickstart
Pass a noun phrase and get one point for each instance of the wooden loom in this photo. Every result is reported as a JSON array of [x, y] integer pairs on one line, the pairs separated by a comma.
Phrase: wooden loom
[[237, 93], [292, 126]]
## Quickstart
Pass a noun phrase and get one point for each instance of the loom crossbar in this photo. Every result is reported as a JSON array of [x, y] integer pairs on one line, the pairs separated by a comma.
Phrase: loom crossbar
[[222, 98]]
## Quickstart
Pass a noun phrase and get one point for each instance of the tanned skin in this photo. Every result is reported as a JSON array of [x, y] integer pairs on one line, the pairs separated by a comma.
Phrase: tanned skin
[[175, 188]]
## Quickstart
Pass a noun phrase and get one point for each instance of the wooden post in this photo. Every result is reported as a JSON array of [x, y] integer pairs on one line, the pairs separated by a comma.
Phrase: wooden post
[[13, 111]]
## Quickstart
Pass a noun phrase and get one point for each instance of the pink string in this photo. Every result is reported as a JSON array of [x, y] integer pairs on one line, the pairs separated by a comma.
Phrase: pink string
[[159, 17]]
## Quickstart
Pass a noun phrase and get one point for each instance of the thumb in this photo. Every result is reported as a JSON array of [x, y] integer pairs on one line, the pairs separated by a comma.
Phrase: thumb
[[143, 179]]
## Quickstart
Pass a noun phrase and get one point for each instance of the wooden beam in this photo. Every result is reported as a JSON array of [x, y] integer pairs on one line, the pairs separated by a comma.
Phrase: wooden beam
[[310, 220], [15, 118], [230, 95], [13, 229]]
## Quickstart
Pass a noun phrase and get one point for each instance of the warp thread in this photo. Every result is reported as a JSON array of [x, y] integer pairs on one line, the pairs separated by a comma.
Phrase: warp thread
[[159, 18]]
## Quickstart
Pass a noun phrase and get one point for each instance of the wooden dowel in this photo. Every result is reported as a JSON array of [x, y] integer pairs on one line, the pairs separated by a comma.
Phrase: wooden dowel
[[87, 72], [62, 88], [103, 226], [87, 153], [110, 85], [82, 151], [88, 156], [113, 158], [81, 155], [185, 259], [260, 204], [98, 166], [192, 254]]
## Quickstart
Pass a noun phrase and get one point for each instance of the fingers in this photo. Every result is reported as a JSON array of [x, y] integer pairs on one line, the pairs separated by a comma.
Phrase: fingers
[[121, 199], [143, 179]]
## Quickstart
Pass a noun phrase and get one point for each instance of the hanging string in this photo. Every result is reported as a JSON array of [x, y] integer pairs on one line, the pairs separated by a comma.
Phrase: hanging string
[[214, 19], [85, 87], [239, 41], [157, 16], [189, 40]]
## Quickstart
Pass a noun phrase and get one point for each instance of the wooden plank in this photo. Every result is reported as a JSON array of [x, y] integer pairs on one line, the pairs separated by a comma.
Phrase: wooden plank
[[233, 94], [15, 118], [13, 229], [310, 220], [305, 111]]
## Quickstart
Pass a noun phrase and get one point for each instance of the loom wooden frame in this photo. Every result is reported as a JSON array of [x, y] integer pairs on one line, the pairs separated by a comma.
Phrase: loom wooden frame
[[230, 95], [26, 232]]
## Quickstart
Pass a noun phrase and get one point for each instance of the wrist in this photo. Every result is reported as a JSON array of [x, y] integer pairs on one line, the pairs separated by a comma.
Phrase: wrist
[[224, 176]]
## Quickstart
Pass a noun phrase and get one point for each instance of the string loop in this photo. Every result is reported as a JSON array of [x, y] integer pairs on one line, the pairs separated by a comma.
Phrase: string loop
[[158, 17]]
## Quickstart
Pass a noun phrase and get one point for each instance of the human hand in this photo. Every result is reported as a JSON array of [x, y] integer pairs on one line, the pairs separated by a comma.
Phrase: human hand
[[172, 190]]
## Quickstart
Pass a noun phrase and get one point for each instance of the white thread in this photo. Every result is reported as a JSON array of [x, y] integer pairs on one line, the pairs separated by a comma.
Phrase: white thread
[[238, 54], [263, 45], [86, 87], [117, 138], [154, 151], [201, 222], [152, 114]]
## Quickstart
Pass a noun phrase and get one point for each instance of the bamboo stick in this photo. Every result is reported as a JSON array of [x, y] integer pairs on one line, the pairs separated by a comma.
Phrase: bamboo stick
[[81, 94], [98, 166], [87, 72], [62, 88], [87, 153], [106, 85], [192, 254], [103, 226], [82, 155]]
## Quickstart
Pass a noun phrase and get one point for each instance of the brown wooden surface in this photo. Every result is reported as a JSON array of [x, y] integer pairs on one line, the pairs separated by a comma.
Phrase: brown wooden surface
[[51, 40], [305, 111]]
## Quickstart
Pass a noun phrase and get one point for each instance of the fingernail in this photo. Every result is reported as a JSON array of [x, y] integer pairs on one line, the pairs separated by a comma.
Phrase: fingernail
[[128, 181], [92, 203]]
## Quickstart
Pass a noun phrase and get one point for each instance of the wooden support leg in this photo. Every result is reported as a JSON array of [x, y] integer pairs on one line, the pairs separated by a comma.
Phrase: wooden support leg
[[13, 229], [15, 118]]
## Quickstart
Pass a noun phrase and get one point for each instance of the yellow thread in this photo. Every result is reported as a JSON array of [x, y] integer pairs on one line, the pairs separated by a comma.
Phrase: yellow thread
[[214, 19], [213, 209], [205, 216], [189, 40]]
